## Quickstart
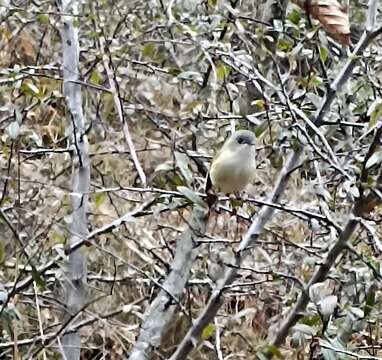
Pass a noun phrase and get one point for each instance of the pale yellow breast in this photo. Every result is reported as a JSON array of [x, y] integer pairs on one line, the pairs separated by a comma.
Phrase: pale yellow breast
[[232, 172]]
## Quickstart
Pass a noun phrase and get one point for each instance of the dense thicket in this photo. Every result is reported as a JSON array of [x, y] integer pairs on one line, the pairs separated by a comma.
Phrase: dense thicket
[[296, 273]]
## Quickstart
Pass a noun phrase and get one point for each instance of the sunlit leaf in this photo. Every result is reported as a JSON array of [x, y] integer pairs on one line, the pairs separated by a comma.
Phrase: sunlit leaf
[[222, 71], [208, 331], [375, 112], [259, 103], [30, 89], [43, 19], [100, 198], [324, 53], [95, 77], [374, 159], [56, 237], [294, 16]]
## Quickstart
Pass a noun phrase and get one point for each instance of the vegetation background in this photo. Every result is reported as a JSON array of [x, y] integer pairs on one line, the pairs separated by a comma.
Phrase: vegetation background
[[161, 84]]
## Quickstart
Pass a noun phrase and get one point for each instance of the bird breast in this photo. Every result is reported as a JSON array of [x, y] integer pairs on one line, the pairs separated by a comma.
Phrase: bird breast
[[234, 172]]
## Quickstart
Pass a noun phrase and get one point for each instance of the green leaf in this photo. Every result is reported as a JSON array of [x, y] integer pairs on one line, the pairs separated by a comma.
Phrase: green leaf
[[193, 104], [95, 77], [31, 89], [311, 320], [190, 195], [314, 81], [100, 198], [284, 45], [259, 103], [260, 129], [375, 112], [174, 71], [324, 53], [295, 144], [56, 237], [370, 300], [43, 19], [222, 71], [208, 331], [235, 202], [294, 16], [149, 50], [176, 179], [271, 350], [37, 278]]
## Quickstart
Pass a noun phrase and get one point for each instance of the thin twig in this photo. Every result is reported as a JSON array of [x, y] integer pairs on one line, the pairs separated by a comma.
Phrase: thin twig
[[114, 88]]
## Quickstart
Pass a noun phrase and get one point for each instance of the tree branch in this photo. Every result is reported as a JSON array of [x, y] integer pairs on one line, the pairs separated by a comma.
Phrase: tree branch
[[161, 310], [75, 287]]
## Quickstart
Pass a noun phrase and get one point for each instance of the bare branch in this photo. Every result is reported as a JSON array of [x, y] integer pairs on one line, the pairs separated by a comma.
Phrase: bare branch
[[75, 289], [107, 63]]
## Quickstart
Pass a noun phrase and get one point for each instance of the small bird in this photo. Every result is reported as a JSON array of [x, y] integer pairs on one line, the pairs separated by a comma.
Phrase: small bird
[[233, 167]]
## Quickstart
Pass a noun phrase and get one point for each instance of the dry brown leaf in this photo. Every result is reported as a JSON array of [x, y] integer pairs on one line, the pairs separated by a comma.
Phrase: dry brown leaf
[[26, 51], [332, 16], [22, 49]]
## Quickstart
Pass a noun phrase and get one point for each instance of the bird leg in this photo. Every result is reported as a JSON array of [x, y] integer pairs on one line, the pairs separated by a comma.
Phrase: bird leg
[[236, 201]]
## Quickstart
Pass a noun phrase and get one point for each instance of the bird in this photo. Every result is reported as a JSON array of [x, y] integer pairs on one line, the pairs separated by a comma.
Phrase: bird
[[233, 167]]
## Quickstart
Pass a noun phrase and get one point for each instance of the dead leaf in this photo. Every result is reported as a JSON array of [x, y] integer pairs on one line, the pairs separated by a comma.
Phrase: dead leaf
[[332, 16], [23, 49]]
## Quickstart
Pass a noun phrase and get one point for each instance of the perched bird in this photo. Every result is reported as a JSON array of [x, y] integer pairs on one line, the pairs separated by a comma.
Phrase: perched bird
[[233, 167]]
